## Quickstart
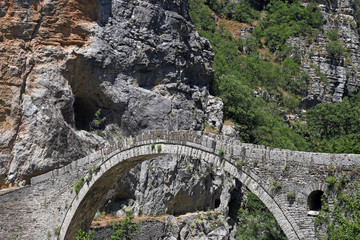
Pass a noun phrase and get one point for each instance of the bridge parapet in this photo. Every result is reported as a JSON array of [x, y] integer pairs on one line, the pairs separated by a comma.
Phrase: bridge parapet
[[234, 150]]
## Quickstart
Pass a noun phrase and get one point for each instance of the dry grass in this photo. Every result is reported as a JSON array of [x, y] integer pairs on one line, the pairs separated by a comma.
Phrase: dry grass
[[109, 220], [229, 123], [210, 129], [233, 26]]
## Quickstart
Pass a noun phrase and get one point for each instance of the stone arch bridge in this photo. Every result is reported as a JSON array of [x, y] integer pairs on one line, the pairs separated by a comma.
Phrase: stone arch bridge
[[50, 202]]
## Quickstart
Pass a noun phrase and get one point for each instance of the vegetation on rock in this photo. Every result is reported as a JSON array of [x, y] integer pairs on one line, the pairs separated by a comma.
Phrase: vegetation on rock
[[260, 80], [265, 64], [342, 220]]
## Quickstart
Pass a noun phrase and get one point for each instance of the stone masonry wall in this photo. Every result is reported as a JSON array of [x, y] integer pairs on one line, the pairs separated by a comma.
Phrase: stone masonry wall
[[35, 211]]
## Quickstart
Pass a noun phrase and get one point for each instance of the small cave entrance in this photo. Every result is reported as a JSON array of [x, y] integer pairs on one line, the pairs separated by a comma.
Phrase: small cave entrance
[[314, 200], [84, 113], [217, 203], [88, 97]]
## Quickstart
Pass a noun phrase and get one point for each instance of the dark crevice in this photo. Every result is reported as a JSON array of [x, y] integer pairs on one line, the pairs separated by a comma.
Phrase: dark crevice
[[217, 203], [84, 113], [236, 196], [38, 25]]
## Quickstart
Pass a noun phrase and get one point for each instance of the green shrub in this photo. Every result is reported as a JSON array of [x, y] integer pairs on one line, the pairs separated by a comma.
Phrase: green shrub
[[251, 44], [97, 122], [96, 168], [275, 186], [57, 231], [335, 49], [331, 181], [221, 153], [286, 19], [79, 185], [256, 221], [89, 177], [159, 148], [291, 196], [342, 220], [331, 168], [356, 4], [125, 229], [241, 12], [333, 34], [82, 235]]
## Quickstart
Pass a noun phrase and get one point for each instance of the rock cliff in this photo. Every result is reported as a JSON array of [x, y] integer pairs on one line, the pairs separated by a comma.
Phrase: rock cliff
[[141, 63], [331, 77]]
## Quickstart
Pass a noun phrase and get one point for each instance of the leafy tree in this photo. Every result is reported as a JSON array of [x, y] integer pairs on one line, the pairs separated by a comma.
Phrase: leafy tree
[[335, 49], [125, 229], [201, 16], [241, 12], [215, 5], [251, 44], [328, 120], [256, 222], [335, 127], [239, 103], [343, 144], [286, 19]]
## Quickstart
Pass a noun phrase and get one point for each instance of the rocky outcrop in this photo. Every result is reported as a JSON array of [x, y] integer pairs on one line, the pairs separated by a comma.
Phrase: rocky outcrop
[[140, 62], [331, 78], [211, 225], [174, 185], [36, 39], [77, 75]]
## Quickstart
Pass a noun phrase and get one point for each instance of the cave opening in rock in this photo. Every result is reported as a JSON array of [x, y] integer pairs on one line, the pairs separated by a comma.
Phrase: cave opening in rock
[[217, 203], [314, 200], [88, 98], [84, 113]]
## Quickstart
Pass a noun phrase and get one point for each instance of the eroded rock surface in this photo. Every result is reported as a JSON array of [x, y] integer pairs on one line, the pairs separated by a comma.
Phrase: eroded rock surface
[[331, 78], [172, 185], [141, 62]]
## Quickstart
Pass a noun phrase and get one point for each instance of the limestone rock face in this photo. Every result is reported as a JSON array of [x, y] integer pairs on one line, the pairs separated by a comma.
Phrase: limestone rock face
[[36, 40], [331, 79], [140, 62], [172, 185]]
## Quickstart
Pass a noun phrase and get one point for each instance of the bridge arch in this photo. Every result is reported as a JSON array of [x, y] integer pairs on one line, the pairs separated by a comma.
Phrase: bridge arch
[[120, 159]]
